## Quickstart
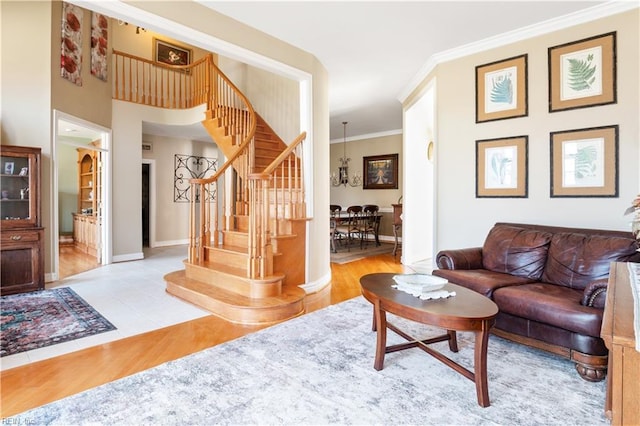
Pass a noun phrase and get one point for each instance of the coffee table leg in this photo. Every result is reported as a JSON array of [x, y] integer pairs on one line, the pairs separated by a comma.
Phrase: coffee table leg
[[480, 365], [381, 332], [453, 340]]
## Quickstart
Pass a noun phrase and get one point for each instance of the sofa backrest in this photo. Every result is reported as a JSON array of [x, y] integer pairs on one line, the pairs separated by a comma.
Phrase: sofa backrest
[[577, 256], [516, 250], [577, 259]]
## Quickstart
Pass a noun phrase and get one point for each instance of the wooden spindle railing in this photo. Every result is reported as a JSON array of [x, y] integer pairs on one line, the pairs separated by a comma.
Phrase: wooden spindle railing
[[266, 197]]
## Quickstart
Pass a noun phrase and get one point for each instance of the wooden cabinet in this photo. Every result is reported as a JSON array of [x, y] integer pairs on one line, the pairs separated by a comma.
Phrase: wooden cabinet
[[623, 386], [21, 233], [88, 181], [86, 221]]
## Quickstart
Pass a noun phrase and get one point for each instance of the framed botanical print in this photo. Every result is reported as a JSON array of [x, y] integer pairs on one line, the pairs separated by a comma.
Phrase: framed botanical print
[[584, 162], [583, 73], [501, 89], [501, 167]]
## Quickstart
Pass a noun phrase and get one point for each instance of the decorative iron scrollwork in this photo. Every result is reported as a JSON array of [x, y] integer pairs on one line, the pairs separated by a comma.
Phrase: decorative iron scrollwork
[[192, 167]]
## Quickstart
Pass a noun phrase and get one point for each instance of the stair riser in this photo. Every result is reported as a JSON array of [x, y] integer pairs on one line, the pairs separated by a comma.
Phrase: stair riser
[[237, 239], [233, 259], [239, 285], [239, 314]]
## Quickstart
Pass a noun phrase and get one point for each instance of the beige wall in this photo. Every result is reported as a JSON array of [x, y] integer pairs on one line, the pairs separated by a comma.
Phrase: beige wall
[[462, 219], [92, 100], [172, 218], [357, 149], [67, 159], [26, 89]]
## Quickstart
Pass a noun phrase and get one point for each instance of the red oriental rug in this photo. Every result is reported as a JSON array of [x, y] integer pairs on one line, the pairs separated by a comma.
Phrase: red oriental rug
[[43, 318]]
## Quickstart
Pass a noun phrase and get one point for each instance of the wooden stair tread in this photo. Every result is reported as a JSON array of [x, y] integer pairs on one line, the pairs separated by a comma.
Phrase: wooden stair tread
[[235, 307]]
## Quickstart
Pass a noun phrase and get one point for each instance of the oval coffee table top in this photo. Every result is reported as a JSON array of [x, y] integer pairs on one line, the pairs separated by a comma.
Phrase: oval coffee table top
[[458, 312]]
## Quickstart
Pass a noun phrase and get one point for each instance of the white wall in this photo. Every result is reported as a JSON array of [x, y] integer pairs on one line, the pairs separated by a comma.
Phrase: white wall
[[462, 220], [418, 200]]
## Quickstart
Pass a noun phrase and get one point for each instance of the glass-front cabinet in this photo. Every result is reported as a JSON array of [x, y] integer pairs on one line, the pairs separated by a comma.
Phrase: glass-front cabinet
[[21, 233], [19, 180]]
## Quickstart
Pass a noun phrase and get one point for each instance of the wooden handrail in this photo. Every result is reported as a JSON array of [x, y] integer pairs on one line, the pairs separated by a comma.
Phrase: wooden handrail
[[284, 154]]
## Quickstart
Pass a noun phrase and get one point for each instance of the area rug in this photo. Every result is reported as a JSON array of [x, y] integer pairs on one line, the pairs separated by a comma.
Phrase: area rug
[[44, 318], [344, 256], [318, 369]]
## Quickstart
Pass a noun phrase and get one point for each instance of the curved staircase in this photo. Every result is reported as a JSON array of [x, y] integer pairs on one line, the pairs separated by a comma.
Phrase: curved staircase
[[247, 226]]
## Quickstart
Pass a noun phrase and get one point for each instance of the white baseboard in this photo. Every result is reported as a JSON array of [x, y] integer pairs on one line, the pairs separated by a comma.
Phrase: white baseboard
[[127, 257], [171, 243]]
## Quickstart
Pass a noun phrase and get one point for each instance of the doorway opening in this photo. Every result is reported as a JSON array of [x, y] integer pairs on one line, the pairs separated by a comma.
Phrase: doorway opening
[[81, 237]]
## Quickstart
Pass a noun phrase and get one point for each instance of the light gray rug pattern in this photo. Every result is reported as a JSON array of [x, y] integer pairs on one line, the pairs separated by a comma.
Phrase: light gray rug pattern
[[318, 369]]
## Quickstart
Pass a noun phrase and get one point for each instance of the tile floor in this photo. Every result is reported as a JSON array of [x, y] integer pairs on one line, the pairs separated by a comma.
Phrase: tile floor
[[131, 295]]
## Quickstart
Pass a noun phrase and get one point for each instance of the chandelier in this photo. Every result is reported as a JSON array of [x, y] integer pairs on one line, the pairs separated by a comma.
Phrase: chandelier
[[342, 177]]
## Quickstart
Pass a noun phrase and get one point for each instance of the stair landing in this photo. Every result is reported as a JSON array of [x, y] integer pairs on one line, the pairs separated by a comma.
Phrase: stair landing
[[235, 307]]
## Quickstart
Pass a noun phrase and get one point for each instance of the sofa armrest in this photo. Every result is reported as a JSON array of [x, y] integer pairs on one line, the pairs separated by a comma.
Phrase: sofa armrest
[[468, 258], [595, 294]]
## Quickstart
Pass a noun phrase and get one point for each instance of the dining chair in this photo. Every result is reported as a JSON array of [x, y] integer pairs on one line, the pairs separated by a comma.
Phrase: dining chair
[[368, 223], [347, 227], [334, 211]]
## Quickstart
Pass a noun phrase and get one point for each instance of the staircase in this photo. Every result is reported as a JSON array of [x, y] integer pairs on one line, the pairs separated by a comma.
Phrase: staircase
[[247, 228]]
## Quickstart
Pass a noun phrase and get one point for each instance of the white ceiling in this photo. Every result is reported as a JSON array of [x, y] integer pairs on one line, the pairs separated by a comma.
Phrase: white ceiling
[[373, 49]]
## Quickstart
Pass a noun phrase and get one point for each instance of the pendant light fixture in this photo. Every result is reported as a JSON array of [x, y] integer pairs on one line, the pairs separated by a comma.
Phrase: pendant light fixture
[[342, 177]]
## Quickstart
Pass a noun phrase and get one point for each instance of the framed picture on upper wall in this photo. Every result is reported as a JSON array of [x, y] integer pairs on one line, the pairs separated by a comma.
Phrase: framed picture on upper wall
[[501, 167], [584, 162], [380, 172], [170, 54], [501, 89], [583, 73]]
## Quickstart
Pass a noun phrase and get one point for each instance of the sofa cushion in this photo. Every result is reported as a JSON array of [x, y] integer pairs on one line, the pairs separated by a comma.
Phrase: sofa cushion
[[480, 280], [516, 251], [550, 304], [576, 259]]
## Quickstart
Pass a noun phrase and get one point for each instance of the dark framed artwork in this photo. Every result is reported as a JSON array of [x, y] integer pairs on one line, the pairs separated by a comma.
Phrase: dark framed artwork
[[501, 89], [380, 172], [170, 54], [501, 167], [583, 73], [584, 162]]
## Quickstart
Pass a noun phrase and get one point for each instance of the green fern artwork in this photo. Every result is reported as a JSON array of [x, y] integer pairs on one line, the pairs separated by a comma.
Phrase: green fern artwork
[[499, 165], [586, 162], [581, 74], [502, 89]]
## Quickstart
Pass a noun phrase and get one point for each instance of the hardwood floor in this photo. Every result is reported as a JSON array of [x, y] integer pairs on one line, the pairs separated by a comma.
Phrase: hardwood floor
[[73, 261], [46, 381]]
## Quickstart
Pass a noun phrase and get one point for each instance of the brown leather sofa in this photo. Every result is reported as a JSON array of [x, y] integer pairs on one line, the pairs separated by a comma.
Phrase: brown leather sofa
[[549, 283]]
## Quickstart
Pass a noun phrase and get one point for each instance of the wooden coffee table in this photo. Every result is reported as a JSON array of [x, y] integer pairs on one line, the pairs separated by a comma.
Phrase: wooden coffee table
[[466, 311]]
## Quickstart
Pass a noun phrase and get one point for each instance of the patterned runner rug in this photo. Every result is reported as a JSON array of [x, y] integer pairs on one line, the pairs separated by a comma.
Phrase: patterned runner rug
[[44, 318], [317, 369]]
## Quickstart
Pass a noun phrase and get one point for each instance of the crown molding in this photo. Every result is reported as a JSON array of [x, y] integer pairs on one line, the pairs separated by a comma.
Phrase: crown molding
[[367, 136], [555, 24]]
